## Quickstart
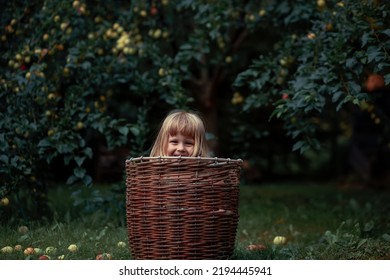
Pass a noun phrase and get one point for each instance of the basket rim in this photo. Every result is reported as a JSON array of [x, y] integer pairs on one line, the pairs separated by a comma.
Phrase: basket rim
[[216, 159]]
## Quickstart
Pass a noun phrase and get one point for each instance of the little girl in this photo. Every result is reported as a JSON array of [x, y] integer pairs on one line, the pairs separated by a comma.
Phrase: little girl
[[181, 134]]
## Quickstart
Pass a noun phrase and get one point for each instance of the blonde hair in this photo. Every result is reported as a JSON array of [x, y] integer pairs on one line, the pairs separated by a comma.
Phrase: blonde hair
[[186, 123]]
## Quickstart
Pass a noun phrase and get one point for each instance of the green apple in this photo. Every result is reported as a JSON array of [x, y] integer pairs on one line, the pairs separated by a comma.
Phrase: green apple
[[73, 248], [50, 250], [7, 250], [279, 240], [23, 229]]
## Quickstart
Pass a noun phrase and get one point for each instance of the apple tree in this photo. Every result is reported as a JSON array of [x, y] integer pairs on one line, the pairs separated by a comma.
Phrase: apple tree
[[58, 75], [327, 79], [77, 73], [332, 54], [74, 73]]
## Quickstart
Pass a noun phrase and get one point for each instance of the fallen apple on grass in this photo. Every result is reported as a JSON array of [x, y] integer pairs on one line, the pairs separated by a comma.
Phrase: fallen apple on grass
[[38, 251], [50, 250], [279, 240], [256, 247], [7, 250], [23, 229], [104, 256], [73, 248], [18, 248], [29, 251]]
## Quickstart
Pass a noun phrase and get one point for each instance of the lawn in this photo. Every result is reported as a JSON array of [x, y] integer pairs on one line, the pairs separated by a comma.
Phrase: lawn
[[319, 221], [314, 221]]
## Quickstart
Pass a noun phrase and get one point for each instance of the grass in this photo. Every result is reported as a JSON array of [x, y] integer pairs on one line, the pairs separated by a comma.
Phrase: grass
[[319, 221]]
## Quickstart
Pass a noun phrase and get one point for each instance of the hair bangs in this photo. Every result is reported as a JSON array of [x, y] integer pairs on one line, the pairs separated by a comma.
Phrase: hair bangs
[[183, 125]]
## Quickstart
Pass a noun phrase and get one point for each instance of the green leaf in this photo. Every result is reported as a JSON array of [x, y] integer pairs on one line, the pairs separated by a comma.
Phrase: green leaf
[[44, 143], [86, 65], [71, 180], [298, 145], [88, 152], [354, 87], [365, 39], [386, 237], [387, 79], [79, 172], [350, 62], [87, 180], [361, 243], [79, 160], [386, 32], [14, 161], [300, 83], [186, 47], [373, 53], [67, 159], [4, 159], [65, 148], [124, 130], [135, 130]]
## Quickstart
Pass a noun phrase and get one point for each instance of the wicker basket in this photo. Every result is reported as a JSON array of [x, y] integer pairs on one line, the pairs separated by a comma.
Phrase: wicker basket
[[182, 207]]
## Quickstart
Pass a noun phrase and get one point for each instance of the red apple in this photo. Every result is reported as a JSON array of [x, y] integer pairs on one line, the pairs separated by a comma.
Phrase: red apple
[[374, 82], [104, 256]]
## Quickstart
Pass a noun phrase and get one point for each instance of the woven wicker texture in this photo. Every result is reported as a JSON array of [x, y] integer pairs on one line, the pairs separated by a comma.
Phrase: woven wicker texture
[[182, 207]]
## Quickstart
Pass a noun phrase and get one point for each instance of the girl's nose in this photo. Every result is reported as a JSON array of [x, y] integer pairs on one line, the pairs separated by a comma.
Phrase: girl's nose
[[180, 147]]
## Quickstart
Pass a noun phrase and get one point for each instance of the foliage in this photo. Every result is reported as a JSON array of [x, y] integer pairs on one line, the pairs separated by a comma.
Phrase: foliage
[[319, 66], [78, 74], [68, 67], [54, 94]]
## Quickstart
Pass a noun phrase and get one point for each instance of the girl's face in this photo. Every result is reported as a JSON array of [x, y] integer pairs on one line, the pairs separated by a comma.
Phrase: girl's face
[[180, 145]]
